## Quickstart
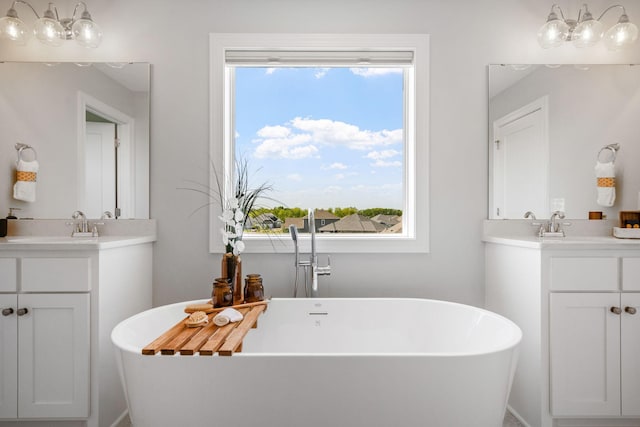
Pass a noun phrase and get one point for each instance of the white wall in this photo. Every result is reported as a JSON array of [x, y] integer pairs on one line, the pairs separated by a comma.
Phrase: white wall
[[465, 37]]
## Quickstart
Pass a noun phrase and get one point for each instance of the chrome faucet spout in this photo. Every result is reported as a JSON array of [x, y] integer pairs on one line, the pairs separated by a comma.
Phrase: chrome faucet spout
[[553, 225]]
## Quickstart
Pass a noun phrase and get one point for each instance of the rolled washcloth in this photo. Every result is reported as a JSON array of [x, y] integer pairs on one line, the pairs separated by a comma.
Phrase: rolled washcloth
[[25, 186], [227, 315], [606, 183]]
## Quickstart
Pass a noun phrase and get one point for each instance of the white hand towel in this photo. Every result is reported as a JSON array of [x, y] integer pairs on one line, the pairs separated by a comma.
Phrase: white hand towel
[[606, 181], [227, 315], [25, 186]]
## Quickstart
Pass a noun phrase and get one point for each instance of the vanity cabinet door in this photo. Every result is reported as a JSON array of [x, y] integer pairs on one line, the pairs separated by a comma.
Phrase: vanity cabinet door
[[8, 357], [630, 274], [54, 352], [584, 354], [8, 275], [630, 353]]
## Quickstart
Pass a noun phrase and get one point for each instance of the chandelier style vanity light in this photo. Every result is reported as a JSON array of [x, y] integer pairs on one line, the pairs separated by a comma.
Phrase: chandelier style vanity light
[[50, 29], [586, 31]]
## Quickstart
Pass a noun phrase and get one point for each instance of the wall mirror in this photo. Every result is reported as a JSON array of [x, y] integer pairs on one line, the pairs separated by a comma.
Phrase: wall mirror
[[547, 127], [89, 126]]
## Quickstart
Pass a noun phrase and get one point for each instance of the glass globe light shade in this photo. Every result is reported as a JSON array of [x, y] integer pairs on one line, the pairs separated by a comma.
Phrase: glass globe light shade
[[587, 33], [621, 35], [12, 28], [49, 31], [86, 32], [553, 33]]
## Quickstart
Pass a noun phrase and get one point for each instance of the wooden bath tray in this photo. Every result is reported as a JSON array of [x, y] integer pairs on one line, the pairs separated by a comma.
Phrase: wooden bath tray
[[208, 339]]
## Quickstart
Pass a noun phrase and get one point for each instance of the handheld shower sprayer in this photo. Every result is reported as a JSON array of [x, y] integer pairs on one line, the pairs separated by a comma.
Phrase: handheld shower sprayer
[[293, 230]]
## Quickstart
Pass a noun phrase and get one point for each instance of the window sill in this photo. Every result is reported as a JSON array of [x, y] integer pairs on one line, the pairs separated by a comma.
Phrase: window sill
[[347, 243]]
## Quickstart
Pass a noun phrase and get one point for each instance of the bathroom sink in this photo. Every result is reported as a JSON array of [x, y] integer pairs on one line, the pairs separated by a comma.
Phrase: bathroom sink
[[50, 239]]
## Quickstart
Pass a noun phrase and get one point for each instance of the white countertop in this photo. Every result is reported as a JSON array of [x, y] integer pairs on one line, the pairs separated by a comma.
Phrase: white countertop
[[12, 243], [582, 234], [55, 234], [569, 242]]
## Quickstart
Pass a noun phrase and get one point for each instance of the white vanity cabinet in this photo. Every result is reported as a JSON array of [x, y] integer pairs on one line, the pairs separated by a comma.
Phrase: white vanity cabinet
[[46, 340], [578, 304], [59, 304], [49, 357], [594, 336]]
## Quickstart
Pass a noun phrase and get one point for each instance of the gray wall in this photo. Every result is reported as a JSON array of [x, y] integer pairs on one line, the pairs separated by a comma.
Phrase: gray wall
[[465, 37]]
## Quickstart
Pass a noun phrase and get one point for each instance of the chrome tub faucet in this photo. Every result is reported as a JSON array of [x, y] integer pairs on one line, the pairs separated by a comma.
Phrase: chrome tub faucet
[[312, 264]]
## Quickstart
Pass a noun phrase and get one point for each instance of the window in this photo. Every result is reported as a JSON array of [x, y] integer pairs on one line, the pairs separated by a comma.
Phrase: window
[[334, 122]]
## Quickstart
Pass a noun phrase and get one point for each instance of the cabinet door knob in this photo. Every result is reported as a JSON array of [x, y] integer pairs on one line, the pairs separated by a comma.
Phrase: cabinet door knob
[[22, 311], [615, 310], [630, 310], [7, 311]]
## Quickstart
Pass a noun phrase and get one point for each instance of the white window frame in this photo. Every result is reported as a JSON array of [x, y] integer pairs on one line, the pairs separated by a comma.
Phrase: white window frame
[[415, 236]]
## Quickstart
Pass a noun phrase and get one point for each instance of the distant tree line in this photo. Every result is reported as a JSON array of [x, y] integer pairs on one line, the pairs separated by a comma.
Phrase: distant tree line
[[283, 213]]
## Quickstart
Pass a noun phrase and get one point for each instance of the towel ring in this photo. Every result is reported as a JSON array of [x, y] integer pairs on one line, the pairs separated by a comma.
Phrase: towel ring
[[614, 150], [20, 147]]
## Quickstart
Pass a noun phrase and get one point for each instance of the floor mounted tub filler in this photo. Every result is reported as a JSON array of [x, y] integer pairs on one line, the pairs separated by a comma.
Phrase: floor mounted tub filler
[[328, 362]]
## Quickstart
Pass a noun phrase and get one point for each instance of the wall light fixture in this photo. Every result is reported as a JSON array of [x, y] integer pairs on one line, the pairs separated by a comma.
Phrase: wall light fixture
[[586, 31], [50, 29]]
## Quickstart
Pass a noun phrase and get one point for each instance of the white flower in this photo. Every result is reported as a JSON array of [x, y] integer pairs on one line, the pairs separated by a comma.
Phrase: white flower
[[238, 247], [239, 216], [233, 203]]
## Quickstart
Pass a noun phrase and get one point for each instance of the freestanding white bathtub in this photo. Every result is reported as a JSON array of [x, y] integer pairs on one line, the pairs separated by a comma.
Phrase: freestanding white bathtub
[[329, 362]]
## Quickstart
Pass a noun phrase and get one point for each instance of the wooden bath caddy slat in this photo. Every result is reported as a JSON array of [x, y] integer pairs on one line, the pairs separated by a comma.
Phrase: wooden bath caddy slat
[[208, 339], [219, 336], [234, 341]]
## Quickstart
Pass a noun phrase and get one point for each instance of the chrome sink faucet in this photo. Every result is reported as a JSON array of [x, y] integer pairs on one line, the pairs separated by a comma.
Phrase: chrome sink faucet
[[551, 228], [83, 225], [554, 226]]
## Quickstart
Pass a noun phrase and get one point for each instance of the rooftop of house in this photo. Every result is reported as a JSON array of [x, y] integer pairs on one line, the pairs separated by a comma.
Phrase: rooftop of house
[[387, 219], [323, 214], [353, 224]]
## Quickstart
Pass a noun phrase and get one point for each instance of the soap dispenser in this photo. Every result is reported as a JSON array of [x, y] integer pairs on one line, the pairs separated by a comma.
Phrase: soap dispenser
[[3, 223], [11, 214]]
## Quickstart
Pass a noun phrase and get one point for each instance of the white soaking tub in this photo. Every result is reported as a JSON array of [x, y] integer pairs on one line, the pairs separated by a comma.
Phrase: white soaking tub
[[329, 362]]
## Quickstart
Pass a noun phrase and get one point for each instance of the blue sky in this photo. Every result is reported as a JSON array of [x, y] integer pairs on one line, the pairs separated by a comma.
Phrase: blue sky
[[323, 137]]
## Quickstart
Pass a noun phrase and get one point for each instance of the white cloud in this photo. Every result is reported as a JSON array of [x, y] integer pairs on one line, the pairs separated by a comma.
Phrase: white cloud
[[374, 72], [336, 165], [278, 142], [384, 154], [339, 176], [294, 177], [270, 70], [386, 164], [331, 132], [304, 137], [321, 72], [274, 132]]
